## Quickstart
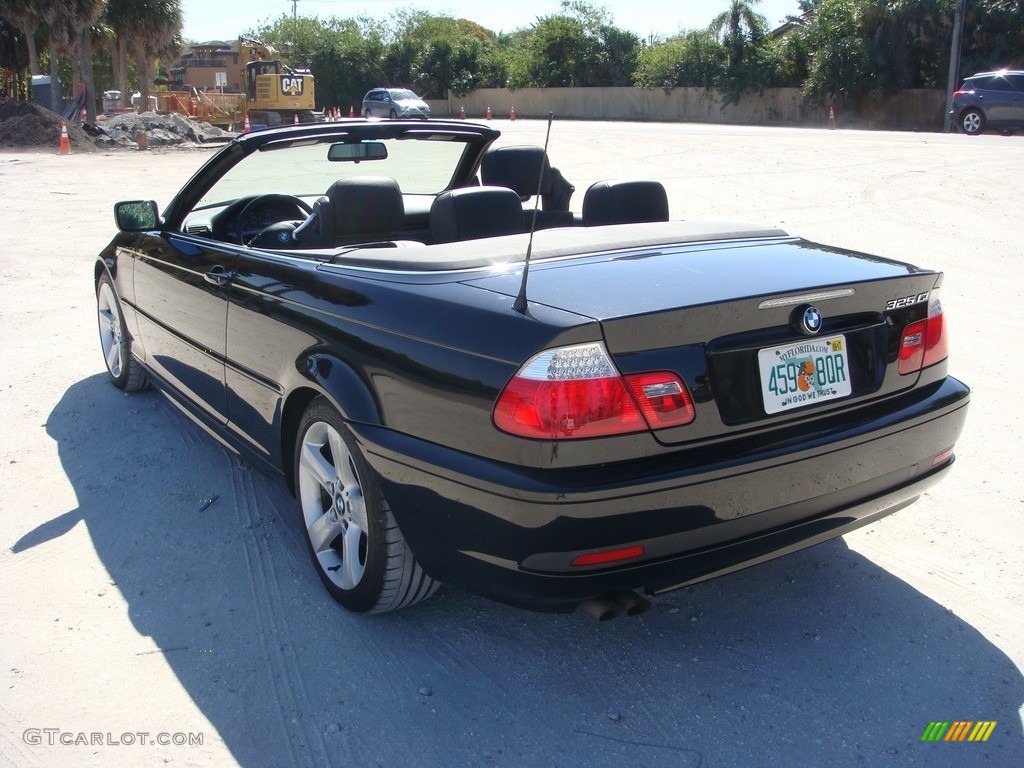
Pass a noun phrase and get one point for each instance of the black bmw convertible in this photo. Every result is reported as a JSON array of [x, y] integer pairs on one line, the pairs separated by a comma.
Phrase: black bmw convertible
[[464, 380]]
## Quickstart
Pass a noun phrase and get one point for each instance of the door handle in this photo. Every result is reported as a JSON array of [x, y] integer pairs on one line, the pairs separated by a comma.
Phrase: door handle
[[218, 276]]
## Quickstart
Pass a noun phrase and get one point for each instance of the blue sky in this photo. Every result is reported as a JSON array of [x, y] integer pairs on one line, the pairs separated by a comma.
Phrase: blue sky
[[226, 19]]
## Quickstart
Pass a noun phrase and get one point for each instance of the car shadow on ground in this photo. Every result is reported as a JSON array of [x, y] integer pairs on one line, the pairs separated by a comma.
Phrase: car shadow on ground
[[819, 658]]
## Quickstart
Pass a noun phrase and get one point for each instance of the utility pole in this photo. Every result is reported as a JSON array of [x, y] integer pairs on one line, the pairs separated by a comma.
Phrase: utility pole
[[295, 9], [954, 64]]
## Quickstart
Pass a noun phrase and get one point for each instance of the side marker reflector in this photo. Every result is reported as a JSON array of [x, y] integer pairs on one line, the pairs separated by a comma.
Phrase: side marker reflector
[[610, 556]]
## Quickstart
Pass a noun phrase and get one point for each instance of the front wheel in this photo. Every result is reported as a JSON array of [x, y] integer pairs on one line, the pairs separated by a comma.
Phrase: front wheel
[[124, 371], [367, 114], [972, 122], [392, 114], [357, 549]]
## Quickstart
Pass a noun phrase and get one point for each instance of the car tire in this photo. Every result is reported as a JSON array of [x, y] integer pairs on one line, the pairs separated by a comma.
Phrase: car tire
[[124, 371], [356, 546], [392, 114], [366, 114], [972, 121]]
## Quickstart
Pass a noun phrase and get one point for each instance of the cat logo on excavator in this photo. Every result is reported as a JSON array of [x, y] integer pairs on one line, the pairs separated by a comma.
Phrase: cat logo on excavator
[[291, 85]]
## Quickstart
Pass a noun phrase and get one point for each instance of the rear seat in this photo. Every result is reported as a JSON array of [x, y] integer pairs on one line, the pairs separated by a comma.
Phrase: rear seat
[[472, 212], [624, 202], [523, 169]]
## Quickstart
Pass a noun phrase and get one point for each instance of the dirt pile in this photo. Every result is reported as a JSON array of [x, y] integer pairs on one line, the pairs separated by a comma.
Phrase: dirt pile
[[26, 125]]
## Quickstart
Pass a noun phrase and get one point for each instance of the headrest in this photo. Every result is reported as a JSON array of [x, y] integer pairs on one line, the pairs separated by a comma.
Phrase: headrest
[[517, 168], [625, 202], [367, 205], [472, 212]]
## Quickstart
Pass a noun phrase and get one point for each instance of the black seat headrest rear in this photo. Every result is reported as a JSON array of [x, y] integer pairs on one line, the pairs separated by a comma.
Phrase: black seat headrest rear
[[471, 212], [625, 202]]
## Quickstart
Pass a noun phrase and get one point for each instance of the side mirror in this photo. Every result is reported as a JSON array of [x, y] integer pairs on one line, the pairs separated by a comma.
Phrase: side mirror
[[136, 215]]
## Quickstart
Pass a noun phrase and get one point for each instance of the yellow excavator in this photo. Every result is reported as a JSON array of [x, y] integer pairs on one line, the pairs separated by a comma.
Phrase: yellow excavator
[[275, 94]]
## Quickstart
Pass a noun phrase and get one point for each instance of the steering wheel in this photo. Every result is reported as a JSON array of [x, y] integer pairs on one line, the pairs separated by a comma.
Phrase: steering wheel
[[279, 202]]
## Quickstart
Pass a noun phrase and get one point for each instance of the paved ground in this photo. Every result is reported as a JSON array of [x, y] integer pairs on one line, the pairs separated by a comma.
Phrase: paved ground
[[131, 605]]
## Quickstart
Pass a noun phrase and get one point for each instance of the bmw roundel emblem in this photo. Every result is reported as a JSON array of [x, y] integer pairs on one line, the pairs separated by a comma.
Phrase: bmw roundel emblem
[[810, 321]]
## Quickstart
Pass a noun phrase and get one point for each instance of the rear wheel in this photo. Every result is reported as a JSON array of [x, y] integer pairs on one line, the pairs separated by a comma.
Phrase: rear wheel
[[357, 549], [972, 121], [123, 369]]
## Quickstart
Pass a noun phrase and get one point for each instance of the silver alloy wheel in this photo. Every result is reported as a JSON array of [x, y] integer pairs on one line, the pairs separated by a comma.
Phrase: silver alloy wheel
[[972, 122], [333, 506], [111, 339]]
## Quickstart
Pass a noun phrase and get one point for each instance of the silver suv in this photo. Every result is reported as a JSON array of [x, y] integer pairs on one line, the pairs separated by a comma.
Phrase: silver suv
[[990, 100]]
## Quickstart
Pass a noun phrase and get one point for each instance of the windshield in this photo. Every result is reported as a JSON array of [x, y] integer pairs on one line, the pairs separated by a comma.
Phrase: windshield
[[404, 95], [421, 166]]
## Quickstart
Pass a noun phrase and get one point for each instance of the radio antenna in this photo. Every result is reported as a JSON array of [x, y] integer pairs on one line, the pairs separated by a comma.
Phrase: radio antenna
[[519, 305]]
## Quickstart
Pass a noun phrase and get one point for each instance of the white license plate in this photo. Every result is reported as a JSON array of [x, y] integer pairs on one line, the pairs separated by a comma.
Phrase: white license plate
[[804, 373]]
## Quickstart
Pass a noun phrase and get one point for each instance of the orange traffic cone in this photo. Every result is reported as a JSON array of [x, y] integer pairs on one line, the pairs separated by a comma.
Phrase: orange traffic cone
[[488, 111], [65, 143], [351, 111], [831, 119], [296, 118], [462, 112], [512, 114], [142, 140], [246, 128]]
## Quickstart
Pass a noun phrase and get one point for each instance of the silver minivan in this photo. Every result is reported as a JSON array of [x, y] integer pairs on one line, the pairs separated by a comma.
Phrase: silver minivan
[[394, 103]]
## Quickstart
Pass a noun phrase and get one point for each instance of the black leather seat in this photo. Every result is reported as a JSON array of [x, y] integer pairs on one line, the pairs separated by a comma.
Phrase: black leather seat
[[361, 209], [624, 202], [472, 212], [522, 169]]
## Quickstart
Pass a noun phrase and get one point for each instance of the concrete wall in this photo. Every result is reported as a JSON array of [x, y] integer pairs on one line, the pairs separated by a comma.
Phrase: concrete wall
[[912, 110]]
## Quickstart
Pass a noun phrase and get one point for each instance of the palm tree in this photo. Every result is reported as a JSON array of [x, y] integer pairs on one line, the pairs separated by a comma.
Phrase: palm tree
[[58, 17], [157, 35], [119, 18], [84, 14], [146, 29], [26, 18], [736, 26]]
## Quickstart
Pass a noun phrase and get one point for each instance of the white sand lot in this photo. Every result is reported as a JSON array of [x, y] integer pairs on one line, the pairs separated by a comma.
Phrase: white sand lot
[[137, 615]]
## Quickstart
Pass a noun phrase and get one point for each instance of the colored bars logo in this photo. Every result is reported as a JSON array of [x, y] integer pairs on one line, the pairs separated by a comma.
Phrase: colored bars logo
[[958, 730]]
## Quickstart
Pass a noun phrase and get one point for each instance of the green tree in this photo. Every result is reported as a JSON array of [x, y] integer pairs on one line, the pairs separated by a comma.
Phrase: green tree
[[839, 67], [695, 59], [348, 64], [993, 35], [907, 42], [578, 47]]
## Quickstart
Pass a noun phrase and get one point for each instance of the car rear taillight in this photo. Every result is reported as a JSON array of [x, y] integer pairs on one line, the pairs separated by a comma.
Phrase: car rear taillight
[[924, 343], [576, 392]]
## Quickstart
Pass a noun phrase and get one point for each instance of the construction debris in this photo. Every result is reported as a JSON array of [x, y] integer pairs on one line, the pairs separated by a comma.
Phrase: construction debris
[[160, 130], [26, 125]]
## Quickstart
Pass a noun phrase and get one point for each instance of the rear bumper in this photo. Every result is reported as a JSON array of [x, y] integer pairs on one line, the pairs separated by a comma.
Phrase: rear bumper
[[511, 533]]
